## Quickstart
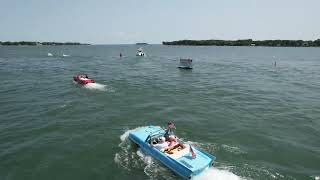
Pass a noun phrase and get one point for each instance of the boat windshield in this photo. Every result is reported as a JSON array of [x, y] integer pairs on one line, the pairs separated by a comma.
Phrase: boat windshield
[[155, 135]]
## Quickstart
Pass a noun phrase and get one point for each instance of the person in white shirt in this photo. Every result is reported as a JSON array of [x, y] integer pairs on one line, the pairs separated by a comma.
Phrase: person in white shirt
[[161, 144]]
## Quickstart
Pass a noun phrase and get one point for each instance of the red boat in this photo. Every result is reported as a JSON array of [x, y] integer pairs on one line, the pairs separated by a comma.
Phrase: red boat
[[83, 79]]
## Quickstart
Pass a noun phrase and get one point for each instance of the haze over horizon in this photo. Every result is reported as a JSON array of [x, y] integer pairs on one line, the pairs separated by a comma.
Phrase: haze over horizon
[[126, 22]]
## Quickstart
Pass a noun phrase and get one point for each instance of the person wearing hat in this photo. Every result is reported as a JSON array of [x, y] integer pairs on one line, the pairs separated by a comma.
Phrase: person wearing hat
[[171, 138], [169, 132]]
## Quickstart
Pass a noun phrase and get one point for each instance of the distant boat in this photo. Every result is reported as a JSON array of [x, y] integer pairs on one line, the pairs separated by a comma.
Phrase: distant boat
[[140, 52], [65, 55], [83, 79], [185, 64], [141, 43], [50, 55]]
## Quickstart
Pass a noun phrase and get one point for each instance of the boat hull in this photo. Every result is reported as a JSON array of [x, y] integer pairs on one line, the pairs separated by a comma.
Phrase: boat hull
[[184, 67], [184, 165], [81, 81]]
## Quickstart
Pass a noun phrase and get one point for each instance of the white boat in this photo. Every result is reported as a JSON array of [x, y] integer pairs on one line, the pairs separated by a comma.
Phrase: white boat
[[65, 55], [185, 64], [50, 55], [140, 52]]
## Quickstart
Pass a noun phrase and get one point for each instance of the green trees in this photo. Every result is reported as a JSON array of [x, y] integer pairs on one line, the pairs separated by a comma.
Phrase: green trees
[[247, 42], [30, 43]]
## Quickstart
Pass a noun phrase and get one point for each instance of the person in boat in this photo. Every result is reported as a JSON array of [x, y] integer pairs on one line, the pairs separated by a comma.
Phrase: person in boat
[[161, 144], [169, 131], [171, 138]]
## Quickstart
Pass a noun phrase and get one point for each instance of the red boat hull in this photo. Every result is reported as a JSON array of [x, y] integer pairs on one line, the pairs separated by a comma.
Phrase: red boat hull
[[82, 81]]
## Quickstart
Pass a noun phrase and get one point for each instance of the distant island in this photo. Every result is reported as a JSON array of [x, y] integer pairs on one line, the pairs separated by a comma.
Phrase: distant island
[[247, 42], [141, 43], [32, 43]]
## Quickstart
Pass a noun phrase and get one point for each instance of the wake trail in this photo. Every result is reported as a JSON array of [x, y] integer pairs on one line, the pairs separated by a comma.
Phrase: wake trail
[[99, 87]]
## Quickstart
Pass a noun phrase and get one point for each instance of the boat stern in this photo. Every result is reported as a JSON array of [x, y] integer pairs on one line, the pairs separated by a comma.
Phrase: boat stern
[[200, 163]]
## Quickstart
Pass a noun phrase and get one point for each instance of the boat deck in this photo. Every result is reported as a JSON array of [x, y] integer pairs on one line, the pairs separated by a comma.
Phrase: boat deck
[[176, 153]]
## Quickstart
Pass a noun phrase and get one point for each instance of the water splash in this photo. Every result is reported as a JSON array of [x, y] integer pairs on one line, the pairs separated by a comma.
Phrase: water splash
[[217, 174], [65, 55], [99, 87], [125, 135], [127, 157]]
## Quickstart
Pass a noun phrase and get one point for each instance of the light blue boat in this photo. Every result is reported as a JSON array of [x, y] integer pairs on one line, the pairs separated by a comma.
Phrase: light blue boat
[[180, 161]]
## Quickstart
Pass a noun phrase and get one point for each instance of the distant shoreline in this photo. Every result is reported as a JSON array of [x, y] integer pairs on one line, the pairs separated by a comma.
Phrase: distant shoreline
[[246, 42], [33, 43]]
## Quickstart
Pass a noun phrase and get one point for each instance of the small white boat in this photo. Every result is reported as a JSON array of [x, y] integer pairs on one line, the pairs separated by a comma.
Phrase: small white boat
[[50, 55], [140, 52], [185, 64], [65, 55]]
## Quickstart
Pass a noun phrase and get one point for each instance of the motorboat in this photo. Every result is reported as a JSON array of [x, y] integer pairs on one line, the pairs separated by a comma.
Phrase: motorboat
[[140, 52], [50, 55], [187, 162], [83, 79], [185, 64], [65, 55]]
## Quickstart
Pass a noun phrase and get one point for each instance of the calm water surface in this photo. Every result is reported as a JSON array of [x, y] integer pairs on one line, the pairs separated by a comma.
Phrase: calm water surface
[[260, 121]]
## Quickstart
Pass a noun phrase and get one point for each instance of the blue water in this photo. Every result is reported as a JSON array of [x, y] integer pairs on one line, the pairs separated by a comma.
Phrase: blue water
[[261, 121]]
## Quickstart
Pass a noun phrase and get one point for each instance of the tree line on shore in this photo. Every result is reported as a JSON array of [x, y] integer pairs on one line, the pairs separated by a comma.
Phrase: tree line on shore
[[32, 43], [246, 42]]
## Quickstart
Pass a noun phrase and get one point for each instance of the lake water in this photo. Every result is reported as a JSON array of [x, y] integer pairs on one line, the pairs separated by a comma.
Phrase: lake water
[[261, 121]]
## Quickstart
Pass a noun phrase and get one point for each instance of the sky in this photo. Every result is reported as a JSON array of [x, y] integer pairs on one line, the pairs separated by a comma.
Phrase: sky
[[154, 21]]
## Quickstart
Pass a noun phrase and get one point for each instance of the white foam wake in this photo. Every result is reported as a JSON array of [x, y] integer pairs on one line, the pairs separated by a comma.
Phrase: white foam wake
[[99, 87], [127, 157], [217, 174]]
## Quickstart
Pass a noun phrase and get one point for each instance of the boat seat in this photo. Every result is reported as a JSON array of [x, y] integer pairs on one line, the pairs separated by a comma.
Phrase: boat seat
[[176, 153]]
